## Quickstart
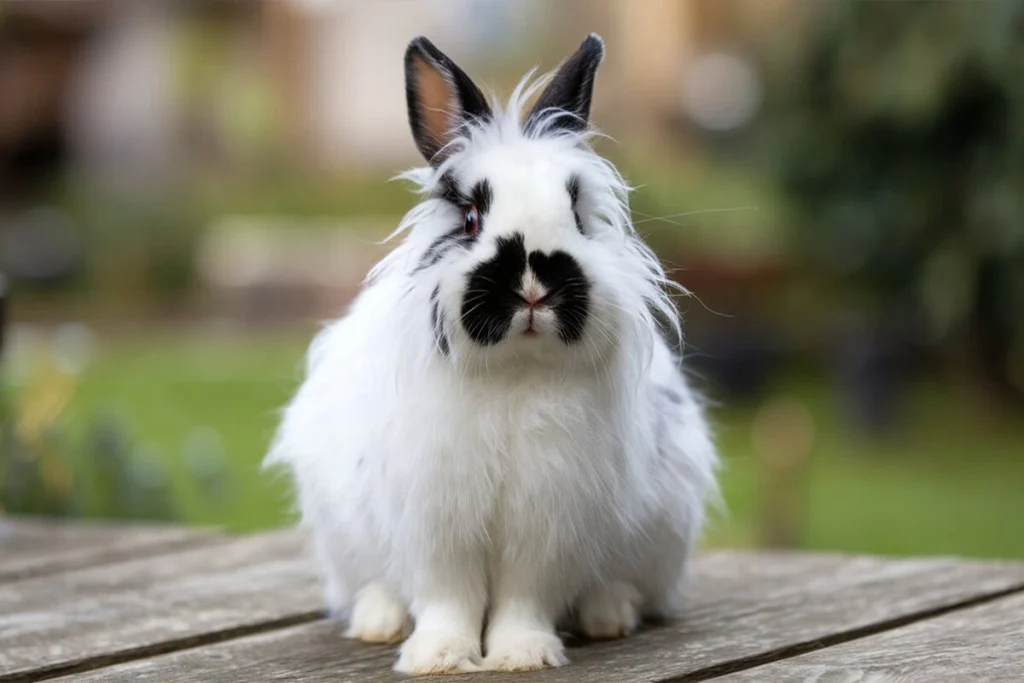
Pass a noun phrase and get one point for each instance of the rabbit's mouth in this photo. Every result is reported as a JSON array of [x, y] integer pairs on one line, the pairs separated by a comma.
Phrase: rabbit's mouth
[[535, 321]]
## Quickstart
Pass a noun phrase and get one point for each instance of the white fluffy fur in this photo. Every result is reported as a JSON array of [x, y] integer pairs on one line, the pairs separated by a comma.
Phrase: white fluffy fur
[[516, 484]]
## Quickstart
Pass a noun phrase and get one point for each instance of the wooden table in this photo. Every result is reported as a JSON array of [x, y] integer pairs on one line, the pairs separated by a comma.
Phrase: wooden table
[[92, 603]]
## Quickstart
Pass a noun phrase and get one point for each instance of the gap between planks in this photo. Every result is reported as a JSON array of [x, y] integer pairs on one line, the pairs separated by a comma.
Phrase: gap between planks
[[165, 647], [232, 555], [797, 649], [98, 662]]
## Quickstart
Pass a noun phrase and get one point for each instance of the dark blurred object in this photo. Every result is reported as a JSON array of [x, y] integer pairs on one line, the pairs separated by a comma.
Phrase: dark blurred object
[[906, 155], [41, 246], [873, 357], [740, 355], [869, 374], [3, 318], [996, 326], [734, 332], [39, 45]]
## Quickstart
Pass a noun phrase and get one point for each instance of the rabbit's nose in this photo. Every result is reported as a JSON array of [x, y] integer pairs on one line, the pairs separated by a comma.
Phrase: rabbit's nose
[[532, 292], [534, 298]]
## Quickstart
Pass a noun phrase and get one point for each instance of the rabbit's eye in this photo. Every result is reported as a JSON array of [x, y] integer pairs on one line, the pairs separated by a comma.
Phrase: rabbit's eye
[[472, 222]]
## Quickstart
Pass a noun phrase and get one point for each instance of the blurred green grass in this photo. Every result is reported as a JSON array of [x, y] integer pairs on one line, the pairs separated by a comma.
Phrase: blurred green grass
[[167, 386], [948, 480]]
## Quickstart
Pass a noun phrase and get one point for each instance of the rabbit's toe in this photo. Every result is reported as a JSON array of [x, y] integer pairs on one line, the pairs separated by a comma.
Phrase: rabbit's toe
[[610, 611], [378, 616], [439, 652], [527, 650]]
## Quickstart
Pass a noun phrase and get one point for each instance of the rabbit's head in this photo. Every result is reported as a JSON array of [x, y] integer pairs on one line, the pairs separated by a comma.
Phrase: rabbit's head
[[523, 247]]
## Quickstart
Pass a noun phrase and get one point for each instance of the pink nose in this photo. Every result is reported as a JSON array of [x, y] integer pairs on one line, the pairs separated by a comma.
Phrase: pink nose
[[532, 298]]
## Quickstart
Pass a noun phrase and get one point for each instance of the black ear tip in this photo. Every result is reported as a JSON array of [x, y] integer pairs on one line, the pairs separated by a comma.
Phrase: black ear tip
[[421, 45], [593, 45], [418, 42]]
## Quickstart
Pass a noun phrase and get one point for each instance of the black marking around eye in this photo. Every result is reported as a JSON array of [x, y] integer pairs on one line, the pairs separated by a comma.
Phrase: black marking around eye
[[447, 189], [568, 291], [437, 322], [573, 187], [490, 300], [481, 196]]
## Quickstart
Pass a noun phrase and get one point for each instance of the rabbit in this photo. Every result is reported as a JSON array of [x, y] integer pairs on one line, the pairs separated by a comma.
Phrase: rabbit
[[496, 441]]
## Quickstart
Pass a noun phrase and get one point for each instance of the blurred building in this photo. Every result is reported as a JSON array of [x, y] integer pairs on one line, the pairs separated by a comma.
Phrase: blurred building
[[346, 88], [136, 99], [135, 89]]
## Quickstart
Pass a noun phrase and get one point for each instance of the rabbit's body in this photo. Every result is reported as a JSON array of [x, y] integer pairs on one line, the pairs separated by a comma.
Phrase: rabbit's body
[[460, 454]]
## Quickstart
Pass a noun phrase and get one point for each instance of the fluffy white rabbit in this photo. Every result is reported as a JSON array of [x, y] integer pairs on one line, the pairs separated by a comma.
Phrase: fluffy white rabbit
[[496, 439]]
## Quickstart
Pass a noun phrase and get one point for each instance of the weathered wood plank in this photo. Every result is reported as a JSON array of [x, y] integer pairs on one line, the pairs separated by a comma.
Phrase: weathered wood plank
[[83, 618], [34, 547], [742, 606], [981, 643]]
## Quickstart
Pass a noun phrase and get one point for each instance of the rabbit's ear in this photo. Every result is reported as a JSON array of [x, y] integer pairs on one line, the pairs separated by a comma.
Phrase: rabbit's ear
[[440, 97], [571, 88]]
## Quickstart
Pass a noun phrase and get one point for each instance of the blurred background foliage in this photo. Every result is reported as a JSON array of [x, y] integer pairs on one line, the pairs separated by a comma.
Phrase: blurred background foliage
[[100, 469], [188, 189]]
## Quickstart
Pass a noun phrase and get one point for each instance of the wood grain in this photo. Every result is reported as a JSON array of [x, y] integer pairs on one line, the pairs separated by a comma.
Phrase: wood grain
[[982, 643], [744, 607], [87, 617], [34, 547]]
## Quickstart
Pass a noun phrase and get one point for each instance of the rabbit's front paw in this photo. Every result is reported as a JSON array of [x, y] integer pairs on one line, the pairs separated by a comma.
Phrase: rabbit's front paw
[[439, 652], [378, 616], [610, 611], [526, 650]]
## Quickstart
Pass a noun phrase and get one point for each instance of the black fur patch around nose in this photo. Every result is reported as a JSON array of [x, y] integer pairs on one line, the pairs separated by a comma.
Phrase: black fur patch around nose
[[568, 291], [491, 300]]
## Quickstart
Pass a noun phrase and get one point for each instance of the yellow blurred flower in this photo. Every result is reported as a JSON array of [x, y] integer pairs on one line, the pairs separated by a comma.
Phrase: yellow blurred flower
[[46, 393]]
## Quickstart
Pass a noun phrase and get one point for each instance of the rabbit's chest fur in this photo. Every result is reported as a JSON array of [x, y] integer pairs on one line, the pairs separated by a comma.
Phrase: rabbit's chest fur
[[532, 469], [543, 462]]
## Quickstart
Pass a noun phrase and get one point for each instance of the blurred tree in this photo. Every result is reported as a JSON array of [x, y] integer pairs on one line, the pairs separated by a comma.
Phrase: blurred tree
[[898, 134]]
